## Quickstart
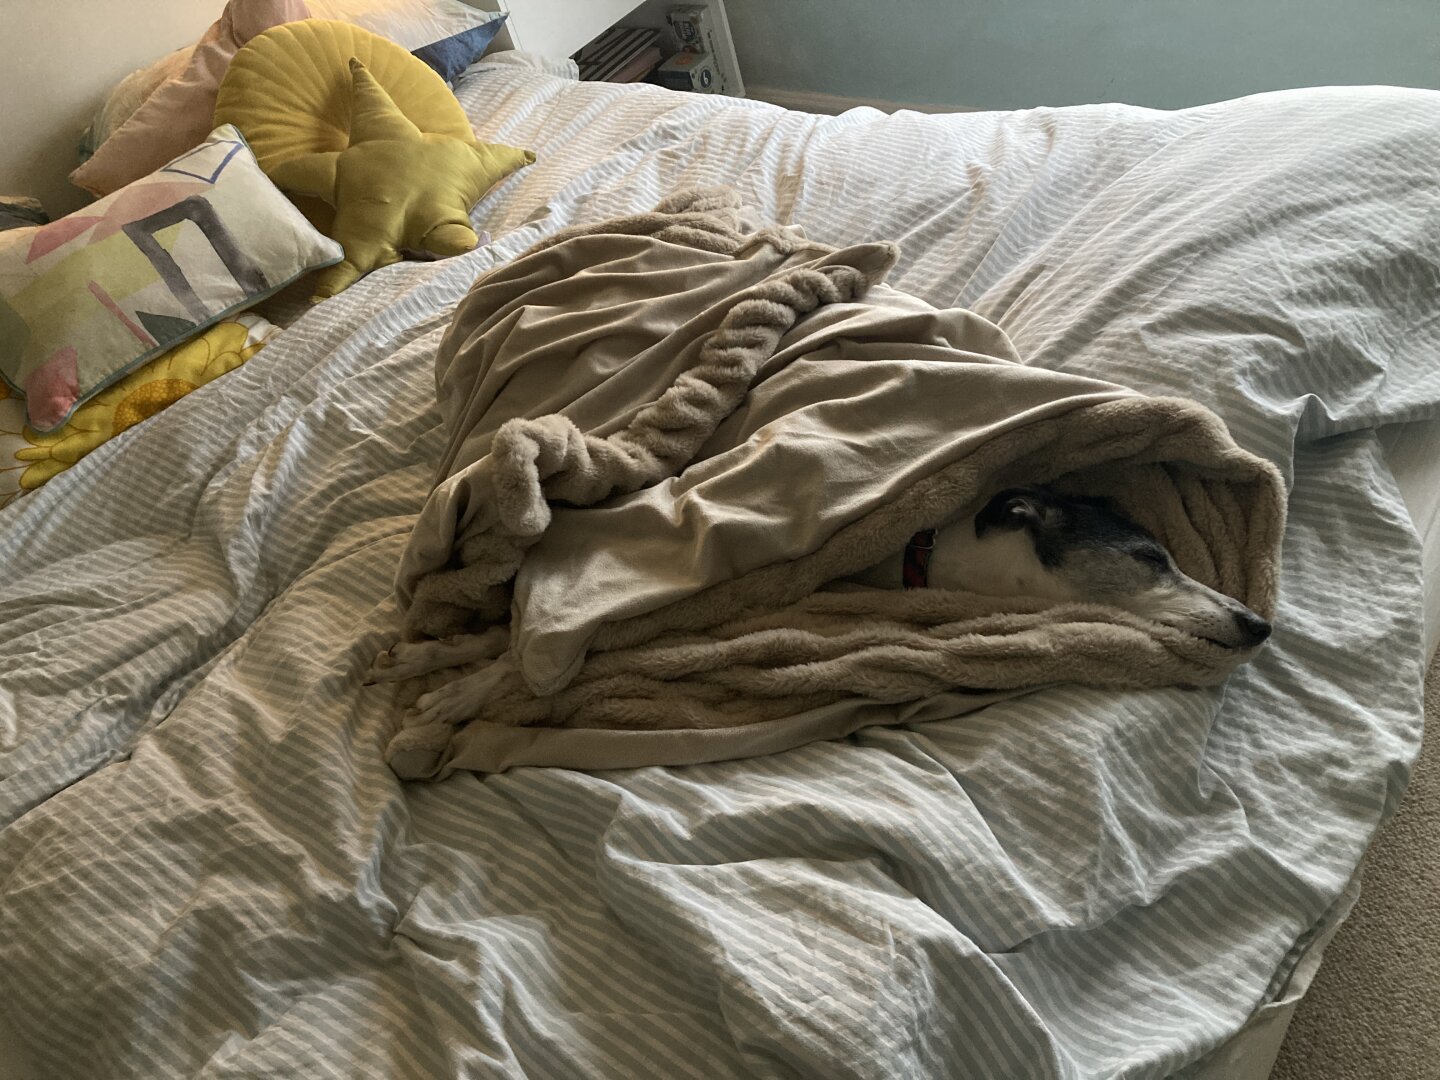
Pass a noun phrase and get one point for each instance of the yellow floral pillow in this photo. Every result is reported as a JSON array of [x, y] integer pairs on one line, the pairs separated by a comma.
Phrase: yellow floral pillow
[[28, 458]]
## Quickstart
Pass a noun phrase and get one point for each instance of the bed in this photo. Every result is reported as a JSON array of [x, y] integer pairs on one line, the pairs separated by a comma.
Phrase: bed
[[207, 869]]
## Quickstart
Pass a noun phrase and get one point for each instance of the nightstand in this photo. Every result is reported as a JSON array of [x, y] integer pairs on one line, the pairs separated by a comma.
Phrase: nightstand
[[558, 28]]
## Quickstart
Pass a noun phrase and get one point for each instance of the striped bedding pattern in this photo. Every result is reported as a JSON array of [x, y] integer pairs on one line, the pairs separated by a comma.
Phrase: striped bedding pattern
[[206, 870]]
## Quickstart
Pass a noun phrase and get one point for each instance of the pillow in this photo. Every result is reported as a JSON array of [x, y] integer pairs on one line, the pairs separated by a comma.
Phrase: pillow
[[562, 67], [395, 187], [29, 458], [177, 116], [129, 94], [453, 55], [289, 91], [412, 24], [85, 299]]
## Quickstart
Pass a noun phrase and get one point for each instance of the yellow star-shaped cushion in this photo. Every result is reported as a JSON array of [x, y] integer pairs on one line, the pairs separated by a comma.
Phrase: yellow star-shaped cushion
[[395, 186]]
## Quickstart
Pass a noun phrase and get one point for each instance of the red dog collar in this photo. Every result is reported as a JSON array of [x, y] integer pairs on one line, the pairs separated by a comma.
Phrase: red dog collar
[[915, 570]]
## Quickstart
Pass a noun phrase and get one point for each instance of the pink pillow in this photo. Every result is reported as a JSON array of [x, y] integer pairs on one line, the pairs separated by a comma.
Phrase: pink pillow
[[179, 115]]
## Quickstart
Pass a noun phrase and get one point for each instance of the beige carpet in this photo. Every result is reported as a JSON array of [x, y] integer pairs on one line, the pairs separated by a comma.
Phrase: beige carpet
[[1374, 1007]]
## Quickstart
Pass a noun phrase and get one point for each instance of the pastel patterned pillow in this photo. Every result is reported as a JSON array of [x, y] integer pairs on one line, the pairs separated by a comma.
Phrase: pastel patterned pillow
[[85, 299], [29, 458]]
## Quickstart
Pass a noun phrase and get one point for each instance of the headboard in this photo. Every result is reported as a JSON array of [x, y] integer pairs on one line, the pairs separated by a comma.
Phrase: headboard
[[58, 60]]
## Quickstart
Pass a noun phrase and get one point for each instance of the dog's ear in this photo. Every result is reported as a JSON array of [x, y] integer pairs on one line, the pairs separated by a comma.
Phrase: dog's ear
[[1023, 510], [1015, 508]]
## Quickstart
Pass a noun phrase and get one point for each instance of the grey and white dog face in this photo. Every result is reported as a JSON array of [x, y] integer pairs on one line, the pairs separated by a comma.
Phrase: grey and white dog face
[[1034, 542]]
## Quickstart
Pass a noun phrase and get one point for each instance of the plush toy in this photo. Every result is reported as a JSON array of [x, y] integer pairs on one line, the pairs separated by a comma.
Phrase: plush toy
[[395, 186], [293, 93]]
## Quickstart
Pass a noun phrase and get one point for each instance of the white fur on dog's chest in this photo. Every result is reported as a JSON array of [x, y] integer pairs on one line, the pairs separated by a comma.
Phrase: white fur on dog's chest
[[997, 564]]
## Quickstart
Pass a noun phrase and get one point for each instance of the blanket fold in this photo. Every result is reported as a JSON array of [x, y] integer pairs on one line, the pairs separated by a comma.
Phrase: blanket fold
[[669, 438]]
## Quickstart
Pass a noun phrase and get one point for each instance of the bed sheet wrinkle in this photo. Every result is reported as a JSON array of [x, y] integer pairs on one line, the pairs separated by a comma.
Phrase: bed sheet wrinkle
[[870, 829], [635, 924]]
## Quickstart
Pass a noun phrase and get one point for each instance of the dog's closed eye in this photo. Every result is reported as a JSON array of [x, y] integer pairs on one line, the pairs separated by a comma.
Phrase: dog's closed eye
[[1156, 560]]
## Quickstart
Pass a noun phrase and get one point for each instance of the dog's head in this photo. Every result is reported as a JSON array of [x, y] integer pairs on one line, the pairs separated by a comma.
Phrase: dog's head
[[1035, 542]]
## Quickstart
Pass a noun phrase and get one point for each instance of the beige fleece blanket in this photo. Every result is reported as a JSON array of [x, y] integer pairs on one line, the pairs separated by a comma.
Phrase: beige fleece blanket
[[670, 436]]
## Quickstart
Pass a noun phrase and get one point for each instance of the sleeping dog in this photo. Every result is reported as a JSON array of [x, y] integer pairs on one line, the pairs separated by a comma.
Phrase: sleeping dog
[[1028, 542], [1035, 542]]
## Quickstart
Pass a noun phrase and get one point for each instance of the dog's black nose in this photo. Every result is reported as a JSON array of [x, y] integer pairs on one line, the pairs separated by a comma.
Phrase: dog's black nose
[[1253, 629]]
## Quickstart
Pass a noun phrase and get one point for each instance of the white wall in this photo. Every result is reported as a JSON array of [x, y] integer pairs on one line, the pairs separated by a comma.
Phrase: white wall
[[1006, 54], [58, 60]]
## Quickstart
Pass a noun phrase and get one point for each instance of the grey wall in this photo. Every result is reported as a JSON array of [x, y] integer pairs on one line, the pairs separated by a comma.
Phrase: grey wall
[[1003, 54], [58, 60]]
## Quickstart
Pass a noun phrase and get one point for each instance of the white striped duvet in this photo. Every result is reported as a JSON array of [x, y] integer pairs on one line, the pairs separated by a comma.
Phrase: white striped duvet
[[206, 869]]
